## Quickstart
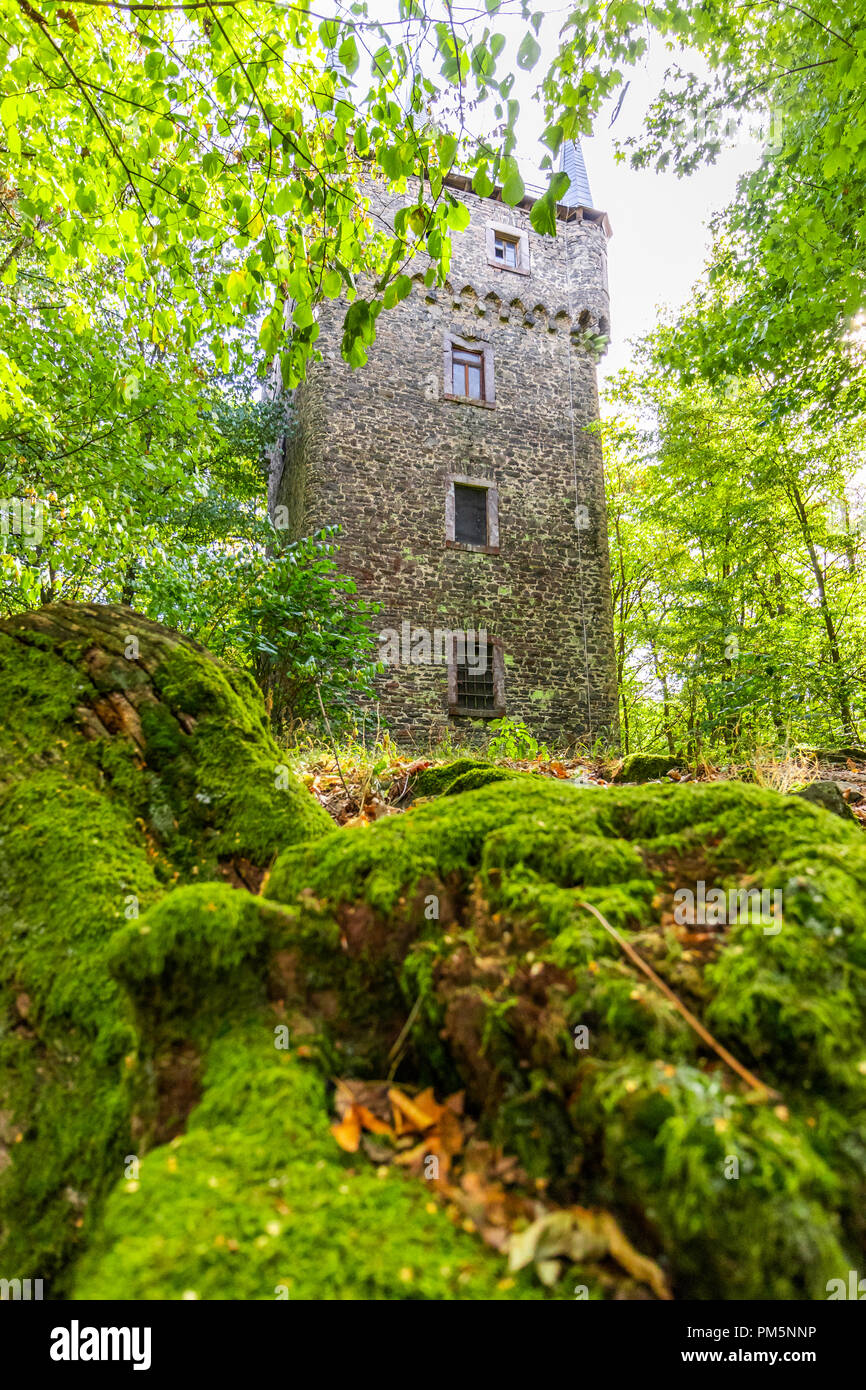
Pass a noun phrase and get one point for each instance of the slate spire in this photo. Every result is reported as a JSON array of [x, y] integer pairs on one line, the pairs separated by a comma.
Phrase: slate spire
[[572, 163]]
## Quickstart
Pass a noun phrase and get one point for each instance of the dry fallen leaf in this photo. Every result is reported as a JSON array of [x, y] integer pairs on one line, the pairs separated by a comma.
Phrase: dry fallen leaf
[[420, 1116], [576, 1234], [348, 1131]]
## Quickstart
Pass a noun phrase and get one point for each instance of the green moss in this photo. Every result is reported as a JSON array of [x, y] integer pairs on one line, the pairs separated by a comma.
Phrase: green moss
[[480, 777], [256, 1201], [194, 959], [514, 964], [255, 1196], [434, 781], [647, 767], [72, 865], [94, 829]]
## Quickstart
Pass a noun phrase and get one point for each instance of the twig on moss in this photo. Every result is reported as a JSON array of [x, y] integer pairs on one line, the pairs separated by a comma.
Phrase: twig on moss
[[765, 1091], [396, 1054]]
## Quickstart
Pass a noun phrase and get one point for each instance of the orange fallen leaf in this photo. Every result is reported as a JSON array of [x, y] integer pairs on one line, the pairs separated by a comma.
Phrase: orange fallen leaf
[[406, 1109], [637, 1265], [426, 1102], [371, 1121], [348, 1131], [450, 1133]]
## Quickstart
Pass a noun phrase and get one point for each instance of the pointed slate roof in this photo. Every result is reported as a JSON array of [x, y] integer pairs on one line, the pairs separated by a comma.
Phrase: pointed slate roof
[[571, 162]]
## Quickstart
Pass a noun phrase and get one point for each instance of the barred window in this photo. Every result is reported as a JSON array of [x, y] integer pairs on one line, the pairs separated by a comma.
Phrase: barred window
[[476, 677], [475, 688]]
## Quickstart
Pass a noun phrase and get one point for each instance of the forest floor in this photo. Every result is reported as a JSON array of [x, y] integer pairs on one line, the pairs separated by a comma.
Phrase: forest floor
[[356, 786]]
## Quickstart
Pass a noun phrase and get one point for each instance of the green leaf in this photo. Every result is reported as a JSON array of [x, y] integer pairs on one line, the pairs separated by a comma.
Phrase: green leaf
[[542, 215], [329, 32], [238, 286], [399, 289], [513, 187], [528, 53], [458, 217], [349, 55], [482, 183]]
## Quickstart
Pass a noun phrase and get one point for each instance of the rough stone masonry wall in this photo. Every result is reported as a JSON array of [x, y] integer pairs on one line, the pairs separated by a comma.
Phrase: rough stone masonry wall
[[374, 448]]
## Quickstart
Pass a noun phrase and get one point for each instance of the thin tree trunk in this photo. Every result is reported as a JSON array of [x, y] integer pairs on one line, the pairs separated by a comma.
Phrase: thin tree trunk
[[845, 709]]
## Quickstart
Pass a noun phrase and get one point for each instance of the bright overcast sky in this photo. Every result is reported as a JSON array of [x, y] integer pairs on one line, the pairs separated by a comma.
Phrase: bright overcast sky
[[660, 222]]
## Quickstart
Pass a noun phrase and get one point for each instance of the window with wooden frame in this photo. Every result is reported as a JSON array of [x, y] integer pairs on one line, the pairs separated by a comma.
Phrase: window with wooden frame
[[469, 371], [476, 678], [472, 514], [507, 248], [467, 374]]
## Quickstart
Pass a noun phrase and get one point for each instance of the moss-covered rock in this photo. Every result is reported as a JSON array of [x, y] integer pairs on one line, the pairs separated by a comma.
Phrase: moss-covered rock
[[647, 767], [742, 1194], [829, 795], [839, 756], [254, 1200], [463, 775], [130, 761], [435, 780]]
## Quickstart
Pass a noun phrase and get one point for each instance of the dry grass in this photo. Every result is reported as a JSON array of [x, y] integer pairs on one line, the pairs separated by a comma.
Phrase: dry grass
[[781, 772]]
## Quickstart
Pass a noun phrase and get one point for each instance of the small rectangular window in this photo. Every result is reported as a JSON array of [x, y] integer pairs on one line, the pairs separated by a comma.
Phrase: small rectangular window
[[468, 375], [507, 248], [475, 689], [468, 370], [470, 514], [506, 251]]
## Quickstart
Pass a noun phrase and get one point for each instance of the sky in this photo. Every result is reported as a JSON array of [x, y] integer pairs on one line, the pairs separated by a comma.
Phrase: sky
[[660, 222]]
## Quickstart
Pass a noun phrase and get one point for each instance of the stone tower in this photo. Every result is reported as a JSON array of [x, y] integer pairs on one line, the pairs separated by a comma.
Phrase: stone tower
[[469, 491]]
